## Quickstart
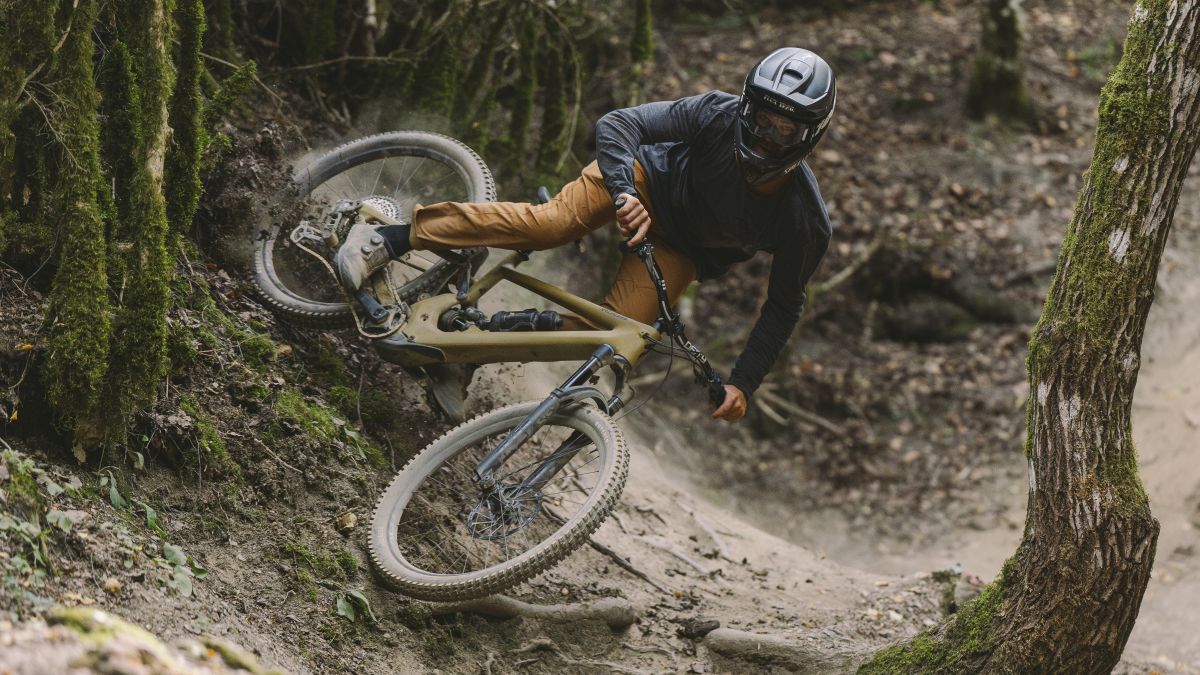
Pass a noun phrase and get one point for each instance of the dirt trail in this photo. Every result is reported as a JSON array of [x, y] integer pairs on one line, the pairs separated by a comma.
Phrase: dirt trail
[[1166, 423], [1166, 418]]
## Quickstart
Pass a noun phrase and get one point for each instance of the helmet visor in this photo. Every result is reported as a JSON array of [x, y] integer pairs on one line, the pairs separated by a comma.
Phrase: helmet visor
[[771, 132]]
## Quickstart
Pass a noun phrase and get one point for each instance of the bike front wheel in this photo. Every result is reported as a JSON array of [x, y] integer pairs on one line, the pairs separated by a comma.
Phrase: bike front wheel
[[437, 536]]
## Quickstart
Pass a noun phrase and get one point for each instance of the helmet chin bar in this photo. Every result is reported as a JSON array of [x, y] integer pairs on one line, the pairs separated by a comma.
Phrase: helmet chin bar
[[758, 169]]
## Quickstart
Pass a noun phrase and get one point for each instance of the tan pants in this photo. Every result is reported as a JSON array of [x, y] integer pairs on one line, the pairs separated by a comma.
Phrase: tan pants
[[582, 206]]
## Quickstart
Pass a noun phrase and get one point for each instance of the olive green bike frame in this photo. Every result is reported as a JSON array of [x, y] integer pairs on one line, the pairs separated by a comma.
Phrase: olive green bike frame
[[422, 342]]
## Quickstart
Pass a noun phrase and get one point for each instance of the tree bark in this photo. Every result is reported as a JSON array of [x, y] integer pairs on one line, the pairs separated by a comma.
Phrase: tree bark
[[1067, 600], [183, 186], [140, 330], [997, 78], [78, 314]]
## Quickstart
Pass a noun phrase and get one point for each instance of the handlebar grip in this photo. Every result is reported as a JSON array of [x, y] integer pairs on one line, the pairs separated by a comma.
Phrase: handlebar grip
[[716, 392]]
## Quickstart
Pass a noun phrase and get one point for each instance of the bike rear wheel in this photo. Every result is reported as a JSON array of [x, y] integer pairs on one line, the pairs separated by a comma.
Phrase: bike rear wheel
[[434, 538], [404, 167]]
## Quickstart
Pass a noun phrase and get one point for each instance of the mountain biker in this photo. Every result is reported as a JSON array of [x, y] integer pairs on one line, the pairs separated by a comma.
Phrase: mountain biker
[[709, 179]]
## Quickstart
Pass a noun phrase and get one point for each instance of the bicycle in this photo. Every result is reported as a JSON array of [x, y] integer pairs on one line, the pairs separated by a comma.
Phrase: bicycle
[[526, 484]]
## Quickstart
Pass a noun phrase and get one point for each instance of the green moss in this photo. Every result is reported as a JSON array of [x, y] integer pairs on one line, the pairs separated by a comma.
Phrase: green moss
[[315, 26], [347, 562], [182, 351], [78, 314], [258, 350], [212, 453], [327, 367], [138, 359], [26, 35], [188, 136], [641, 45], [326, 563], [997, 80], [415, 615], [233, 88], [968, 637], [307, 586], [313, 419], [119, 133], [24, 500], [237, 658]]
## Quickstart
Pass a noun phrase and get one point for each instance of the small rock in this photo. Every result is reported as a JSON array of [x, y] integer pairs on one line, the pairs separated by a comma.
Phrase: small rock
[[112, 586], [895, 616], [695, 629], [346, 522], [881, 583]]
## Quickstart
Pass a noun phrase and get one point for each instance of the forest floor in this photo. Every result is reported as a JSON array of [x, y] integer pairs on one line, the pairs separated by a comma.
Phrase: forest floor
[[877, 455]]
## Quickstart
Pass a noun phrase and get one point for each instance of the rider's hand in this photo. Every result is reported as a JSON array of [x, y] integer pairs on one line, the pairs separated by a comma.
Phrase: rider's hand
[[734, 406], [633, 219]]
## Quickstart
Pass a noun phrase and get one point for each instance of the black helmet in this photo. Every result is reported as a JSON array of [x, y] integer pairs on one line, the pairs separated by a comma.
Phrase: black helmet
[[786, 104]]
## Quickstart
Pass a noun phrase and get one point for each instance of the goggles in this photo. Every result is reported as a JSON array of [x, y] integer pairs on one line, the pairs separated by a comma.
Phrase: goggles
[[767, 125]]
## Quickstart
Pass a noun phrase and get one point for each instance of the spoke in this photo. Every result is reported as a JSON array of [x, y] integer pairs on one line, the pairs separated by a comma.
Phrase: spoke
[[554, 455], [382, 164], [411, 175]]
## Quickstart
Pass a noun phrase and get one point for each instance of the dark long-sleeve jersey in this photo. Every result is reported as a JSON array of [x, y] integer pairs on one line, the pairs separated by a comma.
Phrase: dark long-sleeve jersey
[[706, 210]]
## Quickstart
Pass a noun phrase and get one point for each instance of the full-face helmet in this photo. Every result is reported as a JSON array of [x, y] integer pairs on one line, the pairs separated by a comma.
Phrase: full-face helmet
[[786, 105]]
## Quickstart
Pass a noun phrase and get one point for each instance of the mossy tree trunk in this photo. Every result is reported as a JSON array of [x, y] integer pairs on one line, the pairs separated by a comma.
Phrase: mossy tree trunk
[[997, 79], [525, 89], [1067, 600], [554, 110], [139, 354], [641, 50], [476, 96], [27, 34], [188, 134], [119, 109], [78, 313]]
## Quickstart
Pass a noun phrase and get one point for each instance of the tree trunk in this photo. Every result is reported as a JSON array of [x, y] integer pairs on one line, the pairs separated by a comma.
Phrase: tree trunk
[[183, 185], [139, 345], [78, 314], [997, 79], [641, 51], [1067, 600]]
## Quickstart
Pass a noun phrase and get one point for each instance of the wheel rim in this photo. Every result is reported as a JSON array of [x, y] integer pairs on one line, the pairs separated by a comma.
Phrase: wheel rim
[[405, 174], [448, 528]]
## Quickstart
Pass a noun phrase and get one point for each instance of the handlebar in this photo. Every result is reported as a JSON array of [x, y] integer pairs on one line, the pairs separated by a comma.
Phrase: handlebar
[[705, 373]]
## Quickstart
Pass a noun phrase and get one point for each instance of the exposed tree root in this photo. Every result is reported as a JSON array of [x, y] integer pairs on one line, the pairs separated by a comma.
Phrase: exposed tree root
[[617, 613], [797, 655], [548, 645]]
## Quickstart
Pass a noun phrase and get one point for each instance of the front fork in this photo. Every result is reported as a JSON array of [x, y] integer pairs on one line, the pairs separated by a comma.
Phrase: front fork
[[573, 391]]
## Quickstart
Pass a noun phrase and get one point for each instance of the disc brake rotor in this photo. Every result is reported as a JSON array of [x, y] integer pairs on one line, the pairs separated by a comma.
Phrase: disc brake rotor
[[504, 511]]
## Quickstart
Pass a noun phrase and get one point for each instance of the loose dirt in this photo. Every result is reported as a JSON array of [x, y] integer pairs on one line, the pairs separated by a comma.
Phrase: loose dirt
[[824, 527]]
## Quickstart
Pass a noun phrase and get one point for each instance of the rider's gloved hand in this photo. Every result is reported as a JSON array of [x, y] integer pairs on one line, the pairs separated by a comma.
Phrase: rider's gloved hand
[[734, 406], [632, 218]]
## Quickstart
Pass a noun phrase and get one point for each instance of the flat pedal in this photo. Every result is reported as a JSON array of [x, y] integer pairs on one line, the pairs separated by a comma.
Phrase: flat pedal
[[384, 320]]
